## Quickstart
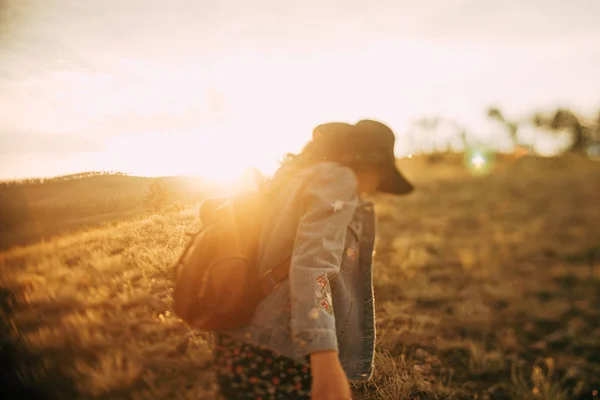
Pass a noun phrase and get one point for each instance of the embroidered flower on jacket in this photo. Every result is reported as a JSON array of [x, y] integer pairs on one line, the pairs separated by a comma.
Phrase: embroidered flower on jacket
[[313, 313], [322, 280], [337, 206], [323, 295], [351, 253]]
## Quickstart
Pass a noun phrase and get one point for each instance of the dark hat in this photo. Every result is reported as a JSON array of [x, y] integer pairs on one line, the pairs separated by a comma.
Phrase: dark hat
[[371, 142]]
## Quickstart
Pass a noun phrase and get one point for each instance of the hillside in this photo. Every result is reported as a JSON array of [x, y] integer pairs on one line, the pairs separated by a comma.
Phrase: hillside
[[487, 286], [31, 211]]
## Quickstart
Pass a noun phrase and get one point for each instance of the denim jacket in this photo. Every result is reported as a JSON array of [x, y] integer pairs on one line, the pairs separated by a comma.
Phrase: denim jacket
[[327, 302]]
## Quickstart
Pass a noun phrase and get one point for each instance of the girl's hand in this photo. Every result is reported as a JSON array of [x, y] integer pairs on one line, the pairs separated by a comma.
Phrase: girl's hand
[[329, 381]]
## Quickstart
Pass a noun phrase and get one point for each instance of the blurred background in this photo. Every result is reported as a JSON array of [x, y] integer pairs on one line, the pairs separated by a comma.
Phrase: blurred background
[[117, 117], [209, 88]]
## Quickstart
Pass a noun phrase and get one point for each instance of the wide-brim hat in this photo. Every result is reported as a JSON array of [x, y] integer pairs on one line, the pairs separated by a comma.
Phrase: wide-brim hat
[[371, 142]]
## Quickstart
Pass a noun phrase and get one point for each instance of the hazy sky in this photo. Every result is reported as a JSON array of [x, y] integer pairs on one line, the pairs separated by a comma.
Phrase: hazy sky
[[208, 87]]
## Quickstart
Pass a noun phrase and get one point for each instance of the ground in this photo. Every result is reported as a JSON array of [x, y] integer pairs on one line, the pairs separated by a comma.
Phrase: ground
[[487, 287]]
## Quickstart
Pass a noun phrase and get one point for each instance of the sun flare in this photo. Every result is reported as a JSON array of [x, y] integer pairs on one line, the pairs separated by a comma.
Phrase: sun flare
[[222, 157]]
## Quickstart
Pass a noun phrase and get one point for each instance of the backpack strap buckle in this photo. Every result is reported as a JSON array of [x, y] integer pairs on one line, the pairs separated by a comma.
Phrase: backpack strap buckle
[[268, 283], [272, 278]]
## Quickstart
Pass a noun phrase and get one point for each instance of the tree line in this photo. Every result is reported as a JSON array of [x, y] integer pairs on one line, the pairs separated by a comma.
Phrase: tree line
[[584, 131]]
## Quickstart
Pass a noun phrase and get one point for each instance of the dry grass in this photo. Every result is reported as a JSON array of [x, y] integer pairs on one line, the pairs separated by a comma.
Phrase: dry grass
[[487, 287]]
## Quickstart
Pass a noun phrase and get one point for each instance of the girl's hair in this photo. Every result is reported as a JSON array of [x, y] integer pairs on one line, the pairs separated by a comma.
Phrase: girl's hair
[[341, 148]]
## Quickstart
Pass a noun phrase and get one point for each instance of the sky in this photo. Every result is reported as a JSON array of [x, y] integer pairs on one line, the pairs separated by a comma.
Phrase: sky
[[210, 87]]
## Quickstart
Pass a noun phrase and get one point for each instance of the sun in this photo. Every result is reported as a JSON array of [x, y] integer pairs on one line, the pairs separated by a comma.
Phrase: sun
[[224, 159]]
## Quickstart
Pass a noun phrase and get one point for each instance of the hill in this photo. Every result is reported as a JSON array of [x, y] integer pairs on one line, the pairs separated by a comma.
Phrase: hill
[[487, 287], [39, 209]]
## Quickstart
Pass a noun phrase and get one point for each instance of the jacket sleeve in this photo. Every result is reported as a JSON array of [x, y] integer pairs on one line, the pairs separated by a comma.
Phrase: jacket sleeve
[[330, 200]]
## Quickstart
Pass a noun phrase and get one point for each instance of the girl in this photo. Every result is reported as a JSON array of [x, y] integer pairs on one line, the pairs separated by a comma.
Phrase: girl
[[316, 330]]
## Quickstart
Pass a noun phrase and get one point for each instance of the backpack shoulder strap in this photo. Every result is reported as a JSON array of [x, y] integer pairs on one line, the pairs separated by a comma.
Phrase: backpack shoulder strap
[[271, 279]]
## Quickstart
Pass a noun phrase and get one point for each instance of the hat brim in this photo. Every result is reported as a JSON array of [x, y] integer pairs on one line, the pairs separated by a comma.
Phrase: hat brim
[[395, 183]]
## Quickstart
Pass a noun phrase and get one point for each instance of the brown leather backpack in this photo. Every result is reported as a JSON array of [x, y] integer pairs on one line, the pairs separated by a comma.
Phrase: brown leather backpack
[[217, 282]]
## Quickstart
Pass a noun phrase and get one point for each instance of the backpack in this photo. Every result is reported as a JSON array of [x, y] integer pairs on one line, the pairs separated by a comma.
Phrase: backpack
[[217, 282]]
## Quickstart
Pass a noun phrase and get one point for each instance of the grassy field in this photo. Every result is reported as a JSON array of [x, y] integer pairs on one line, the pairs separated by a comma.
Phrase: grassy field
[[39, 209], [487, 287]]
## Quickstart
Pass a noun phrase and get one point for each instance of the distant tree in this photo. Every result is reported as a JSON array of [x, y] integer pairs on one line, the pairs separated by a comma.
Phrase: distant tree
[[463, 138], [426, 129], [596, 130], [566, 120], [511, 126], [157, 197], [424, 126], [463, 134]]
